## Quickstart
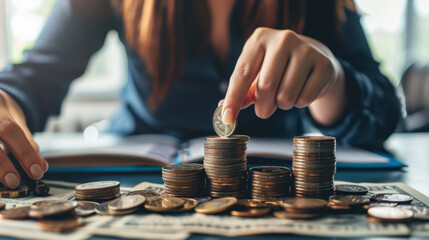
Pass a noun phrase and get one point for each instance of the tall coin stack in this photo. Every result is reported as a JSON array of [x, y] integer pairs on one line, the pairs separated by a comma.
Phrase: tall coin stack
[[313, 166], [225, 165], [184, 180], [269, 182]]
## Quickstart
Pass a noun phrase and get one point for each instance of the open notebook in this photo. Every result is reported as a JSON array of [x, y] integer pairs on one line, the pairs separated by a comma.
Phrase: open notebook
[[73, 150]]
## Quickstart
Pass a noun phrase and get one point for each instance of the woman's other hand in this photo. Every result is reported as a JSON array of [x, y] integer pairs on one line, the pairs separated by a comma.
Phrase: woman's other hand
[[17, 138]]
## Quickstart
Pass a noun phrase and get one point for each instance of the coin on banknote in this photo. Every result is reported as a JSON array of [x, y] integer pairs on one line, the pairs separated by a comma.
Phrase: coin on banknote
[[291, 215], [392, 197], [86, 208], [50, 208], [216, 205], [15, 213], [350, 189], [144, 193], [163, 204], [255, 203], [420, 213], [21, 191], [349, 200], [379, 204], [222, 129], [188, 205], [391, 214], [60, 225], [127, 202], [2, 205], [303, 205], [103, 209], [243, 211]]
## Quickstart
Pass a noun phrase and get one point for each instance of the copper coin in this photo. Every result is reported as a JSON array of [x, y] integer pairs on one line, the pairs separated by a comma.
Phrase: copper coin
[[2, 205], [189, 204], [60, 225], [242, 211], [392, 197], [303, 204], [15, 213], [48, 208], [392, 214], [163, 204]]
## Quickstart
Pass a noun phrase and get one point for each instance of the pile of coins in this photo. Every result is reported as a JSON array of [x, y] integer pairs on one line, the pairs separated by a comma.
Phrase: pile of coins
[[225, 165], [314, 166], [98, 191], [21, 191], [184, 180], [348, 202], [269, 182]]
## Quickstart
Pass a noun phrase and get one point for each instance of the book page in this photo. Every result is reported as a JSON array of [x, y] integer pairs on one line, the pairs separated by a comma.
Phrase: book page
[[162, 148], [281, 149]]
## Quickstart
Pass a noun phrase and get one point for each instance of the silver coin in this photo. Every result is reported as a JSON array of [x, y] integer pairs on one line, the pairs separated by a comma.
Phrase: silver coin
[[98, 185], [86, 208], [222, 129], [392, 197], [127, 202]]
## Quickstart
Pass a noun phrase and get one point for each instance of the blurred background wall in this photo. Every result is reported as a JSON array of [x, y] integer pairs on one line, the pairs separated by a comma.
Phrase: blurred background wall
[[397, 30]]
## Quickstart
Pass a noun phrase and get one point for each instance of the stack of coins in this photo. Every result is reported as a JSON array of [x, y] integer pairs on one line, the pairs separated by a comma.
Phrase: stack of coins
[[225, 165], [314, 166], [348, 202], [98, 191], [269, 182], [184, 180]]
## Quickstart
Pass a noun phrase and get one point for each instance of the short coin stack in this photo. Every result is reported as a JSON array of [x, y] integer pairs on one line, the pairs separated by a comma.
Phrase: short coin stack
[[225, 165], [301, 208], [269, 182], [184, 180], [98, 191], [314, 166]]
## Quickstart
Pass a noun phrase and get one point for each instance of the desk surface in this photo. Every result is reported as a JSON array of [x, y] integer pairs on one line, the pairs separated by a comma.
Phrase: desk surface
[[411, 149]]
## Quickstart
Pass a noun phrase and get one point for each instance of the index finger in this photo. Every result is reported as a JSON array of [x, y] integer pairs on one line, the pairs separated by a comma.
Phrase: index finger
[[245, 72]]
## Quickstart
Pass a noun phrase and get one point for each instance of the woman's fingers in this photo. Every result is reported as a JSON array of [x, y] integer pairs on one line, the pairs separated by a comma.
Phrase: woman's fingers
[[268, 81], [8, 174], [245, 72]]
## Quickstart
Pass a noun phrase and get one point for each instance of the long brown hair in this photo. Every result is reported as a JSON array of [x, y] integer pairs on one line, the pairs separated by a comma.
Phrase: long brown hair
[[165, 33]]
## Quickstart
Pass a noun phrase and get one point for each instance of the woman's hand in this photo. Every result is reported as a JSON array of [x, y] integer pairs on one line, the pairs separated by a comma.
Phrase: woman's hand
[[17, 138], [282, 69]]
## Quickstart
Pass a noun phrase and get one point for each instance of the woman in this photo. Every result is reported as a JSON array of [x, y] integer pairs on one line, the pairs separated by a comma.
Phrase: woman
[[297, 64]]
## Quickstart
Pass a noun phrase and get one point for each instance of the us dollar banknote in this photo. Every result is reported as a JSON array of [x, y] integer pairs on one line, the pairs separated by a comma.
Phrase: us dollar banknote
[[338, 225]]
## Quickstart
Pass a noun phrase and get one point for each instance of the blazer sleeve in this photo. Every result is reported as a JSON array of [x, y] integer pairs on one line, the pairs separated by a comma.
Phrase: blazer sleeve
[[373, 109], [74, 31]]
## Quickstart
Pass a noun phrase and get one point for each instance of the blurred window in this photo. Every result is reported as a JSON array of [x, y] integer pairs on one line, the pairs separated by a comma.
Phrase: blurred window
[[422, 31]]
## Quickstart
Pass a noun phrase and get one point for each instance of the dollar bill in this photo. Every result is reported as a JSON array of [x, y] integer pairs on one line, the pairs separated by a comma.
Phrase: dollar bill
[[338, 225]]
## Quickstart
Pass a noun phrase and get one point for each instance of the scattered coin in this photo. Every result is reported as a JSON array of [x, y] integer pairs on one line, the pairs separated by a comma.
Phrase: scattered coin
[[144, 193], [242, 211], [2, 205], [420, 213], [188, 205], [103, 209], [126, 203], [222, 129], [349, 200], [216, 205], [349, 189], [21, 191], [392, 197], [391, 214], [51, 208], [203, 199], [60, 225], [15, 213], [313, 166], [163, 204], [86, 208], [379, 204], [291, 215], [303, 205], [98, 191], [255, 203]]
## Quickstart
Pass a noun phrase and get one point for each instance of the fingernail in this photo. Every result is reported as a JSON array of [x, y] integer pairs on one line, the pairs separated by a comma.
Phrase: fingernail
[[36, 171], [47, 166], [12, 181], [227, 116]]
